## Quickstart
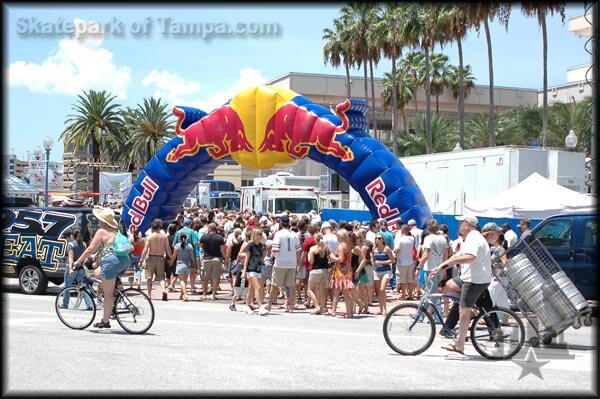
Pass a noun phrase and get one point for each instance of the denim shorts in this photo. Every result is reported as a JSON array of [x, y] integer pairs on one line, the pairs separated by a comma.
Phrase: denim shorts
[[182, 268], [111, 266]]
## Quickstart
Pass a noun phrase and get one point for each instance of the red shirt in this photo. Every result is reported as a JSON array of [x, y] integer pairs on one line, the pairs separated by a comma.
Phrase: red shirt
[[308, 243]]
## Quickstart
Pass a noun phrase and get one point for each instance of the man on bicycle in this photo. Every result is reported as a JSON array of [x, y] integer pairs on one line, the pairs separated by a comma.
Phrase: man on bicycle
[[474, 256]]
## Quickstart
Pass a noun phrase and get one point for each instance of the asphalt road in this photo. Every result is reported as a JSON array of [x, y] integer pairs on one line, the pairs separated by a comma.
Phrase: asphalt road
[[203, 348]]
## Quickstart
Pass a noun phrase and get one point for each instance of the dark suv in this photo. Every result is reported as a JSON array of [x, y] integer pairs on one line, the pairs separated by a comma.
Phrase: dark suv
[[35, 243], [572, 240]]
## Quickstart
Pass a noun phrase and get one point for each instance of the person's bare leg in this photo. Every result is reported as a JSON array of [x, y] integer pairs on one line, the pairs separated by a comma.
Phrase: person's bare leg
[[108, 287]]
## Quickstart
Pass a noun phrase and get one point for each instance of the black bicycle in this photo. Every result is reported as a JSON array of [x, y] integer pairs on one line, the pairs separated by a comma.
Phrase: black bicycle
[[76, 306], [409, 329]]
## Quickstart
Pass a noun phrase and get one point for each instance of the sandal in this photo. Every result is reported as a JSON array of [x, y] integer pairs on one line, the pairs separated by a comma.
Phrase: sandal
[[452, 348], [102, 324]]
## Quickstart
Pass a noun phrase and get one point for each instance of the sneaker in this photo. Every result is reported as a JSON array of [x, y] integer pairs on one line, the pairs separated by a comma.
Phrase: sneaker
[[262, 311], [164, 296], [171, 289], [446, 334], [232, 307], [249, 310]]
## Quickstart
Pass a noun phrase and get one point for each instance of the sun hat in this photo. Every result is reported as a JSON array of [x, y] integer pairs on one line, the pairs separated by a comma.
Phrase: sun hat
[[106, 215], [472, 220], [412, 222], [325, 225]]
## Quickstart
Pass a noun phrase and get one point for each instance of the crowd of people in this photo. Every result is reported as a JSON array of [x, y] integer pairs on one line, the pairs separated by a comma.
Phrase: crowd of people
[[304, 262]]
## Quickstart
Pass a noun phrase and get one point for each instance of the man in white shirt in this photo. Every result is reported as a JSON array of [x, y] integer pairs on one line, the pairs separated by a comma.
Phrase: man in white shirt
[[509, 236], [330, 239], [286, 250], [415, 231], [403, 245], [476, 274]]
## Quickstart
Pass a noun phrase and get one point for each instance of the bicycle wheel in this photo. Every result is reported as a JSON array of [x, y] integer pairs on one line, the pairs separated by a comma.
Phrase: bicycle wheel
[[71, 306], [408, 330], [134, 311], [500, 336]]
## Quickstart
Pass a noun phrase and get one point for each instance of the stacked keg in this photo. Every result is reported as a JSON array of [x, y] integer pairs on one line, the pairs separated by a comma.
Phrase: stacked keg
[[529, 283]]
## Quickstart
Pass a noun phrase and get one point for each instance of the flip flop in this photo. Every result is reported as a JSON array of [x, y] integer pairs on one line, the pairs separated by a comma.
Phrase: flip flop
[[452, 348]]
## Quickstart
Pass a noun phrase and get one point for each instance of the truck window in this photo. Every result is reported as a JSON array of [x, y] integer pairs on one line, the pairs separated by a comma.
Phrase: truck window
[[590, 234], [555, 233], [295, 205]]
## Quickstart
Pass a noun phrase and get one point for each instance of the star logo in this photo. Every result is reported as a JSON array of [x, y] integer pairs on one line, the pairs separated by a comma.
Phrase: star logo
[[531, 365]]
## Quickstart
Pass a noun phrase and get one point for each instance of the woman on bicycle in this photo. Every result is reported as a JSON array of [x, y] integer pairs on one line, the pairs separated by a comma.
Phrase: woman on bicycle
[[111, 265]]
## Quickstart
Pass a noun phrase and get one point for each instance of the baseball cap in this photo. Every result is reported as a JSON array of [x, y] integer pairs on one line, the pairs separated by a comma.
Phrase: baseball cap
[[411, 222], [506, 226], [491, 226], [472, 220], [187, 221], [325, 225], [285, 220]]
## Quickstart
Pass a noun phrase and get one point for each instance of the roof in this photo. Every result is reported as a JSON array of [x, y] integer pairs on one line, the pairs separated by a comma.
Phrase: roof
[[12, 185]]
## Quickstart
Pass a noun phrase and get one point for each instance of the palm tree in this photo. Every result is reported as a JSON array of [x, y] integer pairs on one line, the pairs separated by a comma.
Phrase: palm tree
[[460, 25], [391, 41], [443, 134], [404, 93], [539, 10], [486, 12], [96, 119], [148, 127], [414, 63], [440, 78], [336, 50], [454, 79], [519, 126], [374, 56], [564, 117]]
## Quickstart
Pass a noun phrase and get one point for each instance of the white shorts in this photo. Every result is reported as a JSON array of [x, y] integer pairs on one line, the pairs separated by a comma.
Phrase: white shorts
[[253, 274]]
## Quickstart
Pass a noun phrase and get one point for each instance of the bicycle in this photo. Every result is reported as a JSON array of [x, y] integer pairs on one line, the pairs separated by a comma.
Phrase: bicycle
[[409, 329], [132, 309]]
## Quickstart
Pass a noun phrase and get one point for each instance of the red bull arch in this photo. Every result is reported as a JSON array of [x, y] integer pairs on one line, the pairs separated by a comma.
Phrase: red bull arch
[[265, 127]]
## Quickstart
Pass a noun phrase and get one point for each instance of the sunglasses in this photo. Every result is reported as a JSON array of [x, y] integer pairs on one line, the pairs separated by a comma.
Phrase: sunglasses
[[379, 238]]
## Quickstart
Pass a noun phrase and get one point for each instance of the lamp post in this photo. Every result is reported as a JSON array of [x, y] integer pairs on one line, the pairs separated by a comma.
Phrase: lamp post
[[37, 152], [571, 140], [48, 144]]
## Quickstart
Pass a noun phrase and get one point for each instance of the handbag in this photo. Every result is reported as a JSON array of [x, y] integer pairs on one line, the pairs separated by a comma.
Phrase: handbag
[[236, 267], [122, 245]]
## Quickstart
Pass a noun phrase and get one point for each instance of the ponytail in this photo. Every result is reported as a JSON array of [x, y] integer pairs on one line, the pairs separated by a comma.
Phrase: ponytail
[[183, 242], [321, 244]]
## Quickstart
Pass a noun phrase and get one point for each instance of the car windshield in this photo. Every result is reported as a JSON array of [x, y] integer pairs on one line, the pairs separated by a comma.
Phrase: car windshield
[[295, 205]]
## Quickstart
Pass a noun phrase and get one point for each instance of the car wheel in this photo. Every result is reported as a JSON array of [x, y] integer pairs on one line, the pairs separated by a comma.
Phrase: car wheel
[[32, 280]]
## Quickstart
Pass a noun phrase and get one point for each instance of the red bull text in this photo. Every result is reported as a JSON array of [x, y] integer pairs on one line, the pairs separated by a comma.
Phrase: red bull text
[[140, 203], [375, 191]]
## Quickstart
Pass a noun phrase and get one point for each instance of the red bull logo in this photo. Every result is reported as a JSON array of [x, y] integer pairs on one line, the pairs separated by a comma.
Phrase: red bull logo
[[375, 190], [262, 127], [221, 132], [294, 129]]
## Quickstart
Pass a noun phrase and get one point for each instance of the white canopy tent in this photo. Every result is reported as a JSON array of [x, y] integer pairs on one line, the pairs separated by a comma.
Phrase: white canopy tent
[[535, 197], [14, 187]]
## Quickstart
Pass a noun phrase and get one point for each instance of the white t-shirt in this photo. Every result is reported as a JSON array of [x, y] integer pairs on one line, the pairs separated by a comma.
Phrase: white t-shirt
[[405, 245], [416, 232], [479, 271], [370, 236], [288, 244], [331, 241], [436, 244], [511, 238]]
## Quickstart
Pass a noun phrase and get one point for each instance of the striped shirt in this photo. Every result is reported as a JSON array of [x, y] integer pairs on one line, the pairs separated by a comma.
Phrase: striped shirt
[[286, 244]]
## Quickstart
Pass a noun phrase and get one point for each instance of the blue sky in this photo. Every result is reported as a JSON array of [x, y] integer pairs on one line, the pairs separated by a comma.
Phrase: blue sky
[[44, 72]]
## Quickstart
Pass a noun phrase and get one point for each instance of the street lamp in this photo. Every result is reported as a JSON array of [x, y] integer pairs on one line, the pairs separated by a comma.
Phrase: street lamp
[[37, 152], [48, 144], [456, 148], [571, 140]]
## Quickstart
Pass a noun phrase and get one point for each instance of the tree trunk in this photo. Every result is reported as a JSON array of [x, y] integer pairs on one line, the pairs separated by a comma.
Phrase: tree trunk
[[491, 67], [95, 169], [437, 104], [398, 124], [416, 89], [366, 82], [394, 108], [429, 145], [461, 98], [347, 80], [373, 114], [545, 100]]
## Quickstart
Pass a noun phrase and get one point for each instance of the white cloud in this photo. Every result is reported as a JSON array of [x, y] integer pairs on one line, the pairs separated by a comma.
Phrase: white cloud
[[78, 64], [175, 90], [170, 87]]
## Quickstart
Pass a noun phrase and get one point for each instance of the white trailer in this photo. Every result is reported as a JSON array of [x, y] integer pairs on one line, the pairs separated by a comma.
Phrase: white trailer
[[288, 179], [297, 200]]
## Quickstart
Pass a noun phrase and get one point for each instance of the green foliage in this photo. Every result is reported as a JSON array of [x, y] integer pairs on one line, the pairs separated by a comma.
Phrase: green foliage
[[444, 133]]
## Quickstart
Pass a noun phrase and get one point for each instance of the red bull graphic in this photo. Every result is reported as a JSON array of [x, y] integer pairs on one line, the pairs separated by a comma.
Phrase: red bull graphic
[[267, 127], [221, 133], [294, 129]]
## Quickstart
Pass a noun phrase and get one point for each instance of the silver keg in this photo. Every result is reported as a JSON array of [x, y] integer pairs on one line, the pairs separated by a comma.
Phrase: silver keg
[[571, 292], [510, 265], [554, 295], [520, 270]]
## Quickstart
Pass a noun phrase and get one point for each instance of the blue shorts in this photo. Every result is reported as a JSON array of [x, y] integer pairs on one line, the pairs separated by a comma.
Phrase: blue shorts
[[182, 268], [111, 266]]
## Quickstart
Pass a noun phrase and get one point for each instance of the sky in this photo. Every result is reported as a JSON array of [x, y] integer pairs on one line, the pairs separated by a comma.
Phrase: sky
[[51, 53]]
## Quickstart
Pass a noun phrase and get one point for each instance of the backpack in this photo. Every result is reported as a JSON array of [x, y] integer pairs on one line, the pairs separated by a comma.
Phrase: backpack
[[122, 245]]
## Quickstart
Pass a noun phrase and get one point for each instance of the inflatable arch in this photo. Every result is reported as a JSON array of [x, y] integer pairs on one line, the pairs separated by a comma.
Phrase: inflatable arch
[[266, 126]]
